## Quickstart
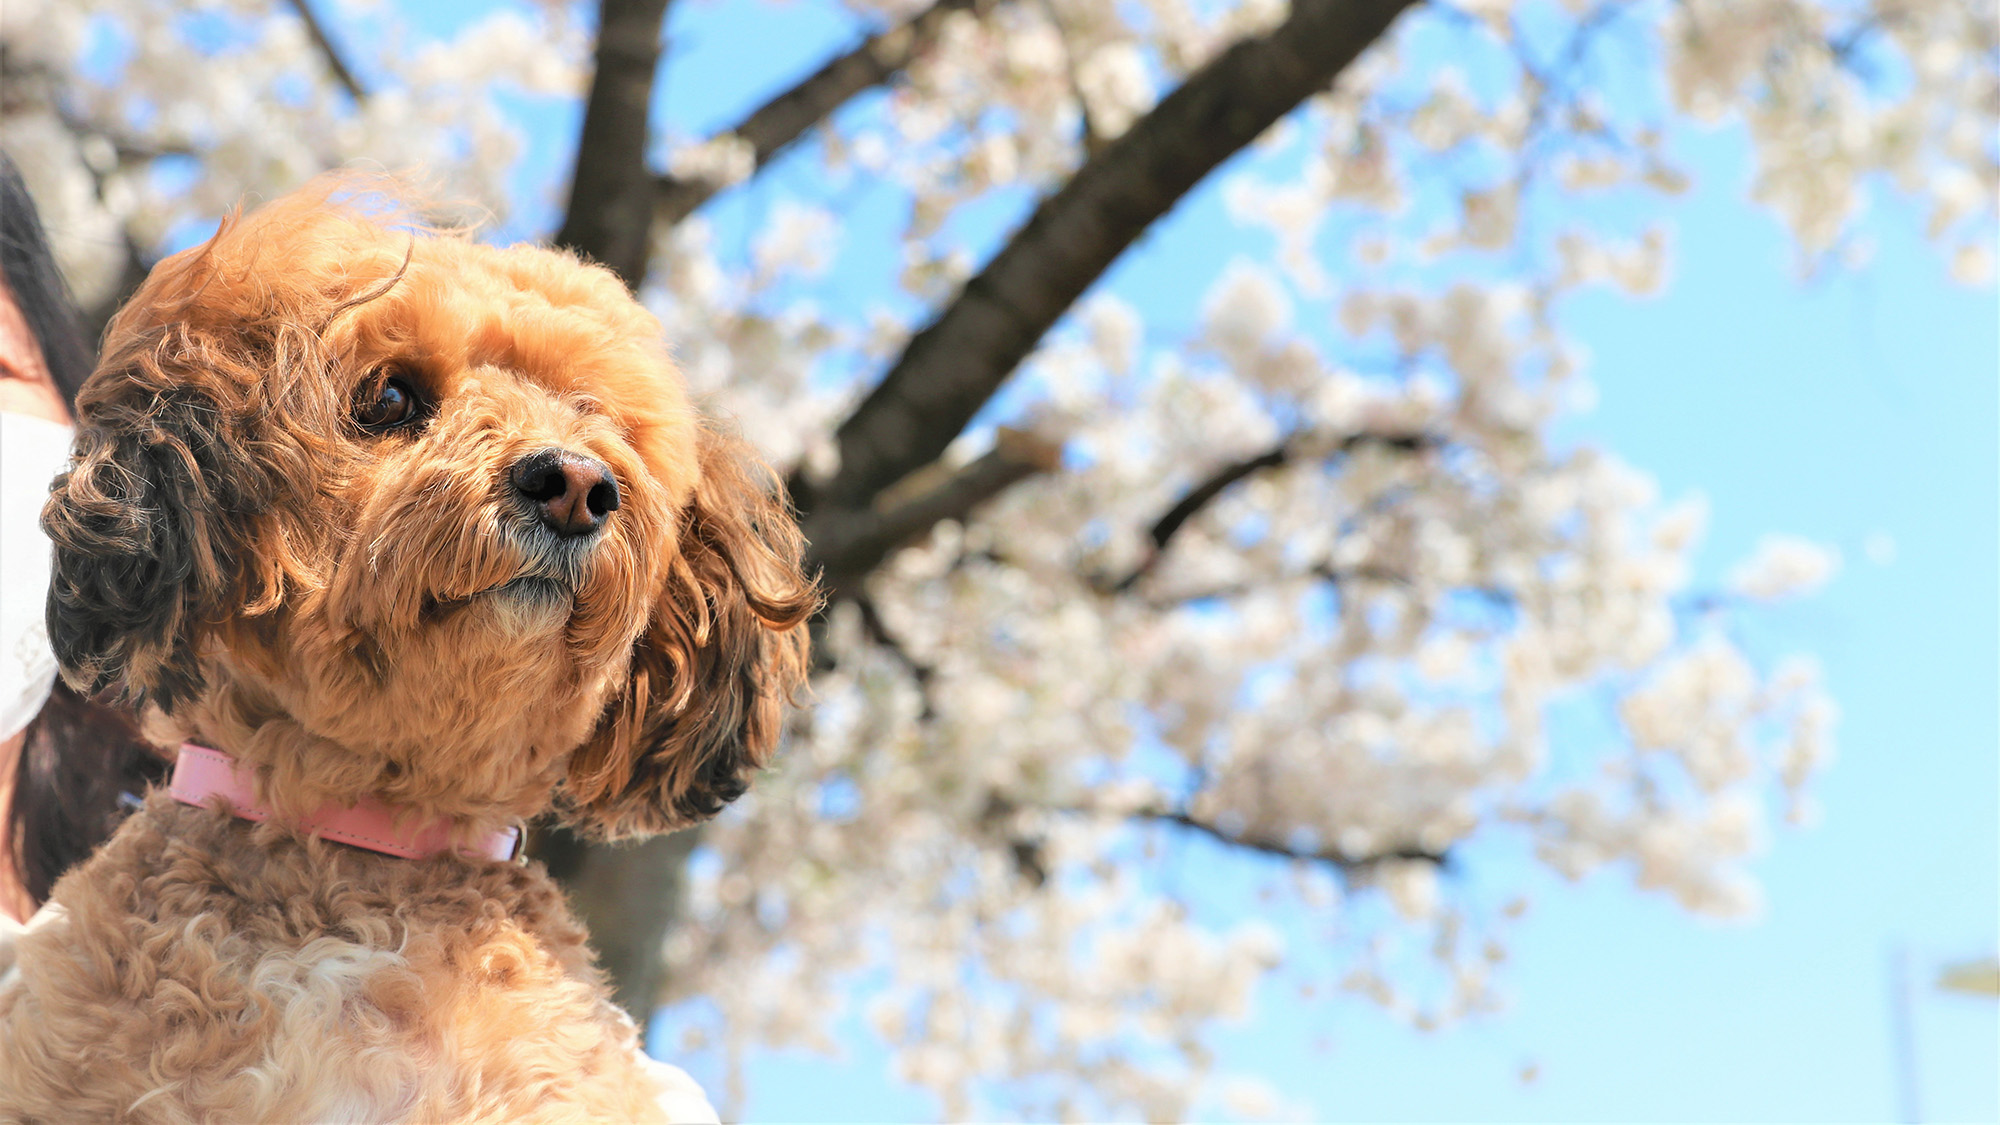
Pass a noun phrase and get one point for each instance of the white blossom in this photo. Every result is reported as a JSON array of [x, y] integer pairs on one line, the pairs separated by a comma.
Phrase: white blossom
[[1784, 566]]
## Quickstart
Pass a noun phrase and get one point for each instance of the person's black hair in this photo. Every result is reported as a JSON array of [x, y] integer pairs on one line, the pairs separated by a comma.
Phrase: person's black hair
[[39, 291], [77, 755], [77, 759]]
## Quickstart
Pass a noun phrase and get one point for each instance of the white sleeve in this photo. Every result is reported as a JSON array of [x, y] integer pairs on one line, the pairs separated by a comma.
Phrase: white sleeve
[[681, 1098], [12, 931]]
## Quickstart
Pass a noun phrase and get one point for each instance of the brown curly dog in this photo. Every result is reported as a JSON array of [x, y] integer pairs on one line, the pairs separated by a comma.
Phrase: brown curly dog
[[387, 516]]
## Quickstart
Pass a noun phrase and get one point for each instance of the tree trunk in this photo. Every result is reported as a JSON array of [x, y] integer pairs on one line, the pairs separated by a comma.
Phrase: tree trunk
[[611, 192], [629, 895], [952, 368]]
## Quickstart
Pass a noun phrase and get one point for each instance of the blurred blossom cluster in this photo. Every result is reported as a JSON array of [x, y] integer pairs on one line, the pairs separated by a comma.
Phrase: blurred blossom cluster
[[132, 120], [1417, 629], [1350, 664]]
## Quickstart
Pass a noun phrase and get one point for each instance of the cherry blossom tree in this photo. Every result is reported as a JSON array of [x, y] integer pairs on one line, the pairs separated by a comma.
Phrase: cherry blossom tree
[[1309, 585]]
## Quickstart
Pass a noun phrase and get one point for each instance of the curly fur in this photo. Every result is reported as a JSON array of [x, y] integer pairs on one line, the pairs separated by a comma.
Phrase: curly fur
[[353, 613]]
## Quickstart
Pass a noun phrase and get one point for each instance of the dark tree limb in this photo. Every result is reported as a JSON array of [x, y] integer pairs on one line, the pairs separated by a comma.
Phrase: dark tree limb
[[1337, 577], [335, 63], [1093, 138], [848, 548], [610, 195], [879, 632], [1219, 481], [1347, 865], [1200, 497], [780, 122], [950, 369], [1000, 809]]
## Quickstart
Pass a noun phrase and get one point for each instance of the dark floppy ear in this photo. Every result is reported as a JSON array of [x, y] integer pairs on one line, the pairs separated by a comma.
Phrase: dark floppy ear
[[140, 548], [713, 673], [176, 472]]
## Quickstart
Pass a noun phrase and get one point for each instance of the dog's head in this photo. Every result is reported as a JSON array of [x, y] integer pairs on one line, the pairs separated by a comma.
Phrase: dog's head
[[388, 511]]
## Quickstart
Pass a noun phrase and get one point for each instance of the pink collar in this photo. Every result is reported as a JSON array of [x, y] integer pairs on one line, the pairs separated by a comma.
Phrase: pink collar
[[201, 774]]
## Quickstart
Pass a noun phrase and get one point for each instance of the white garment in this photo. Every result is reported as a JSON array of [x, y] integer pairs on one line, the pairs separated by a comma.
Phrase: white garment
[[32, 452], [11, 933], [681, 1097]]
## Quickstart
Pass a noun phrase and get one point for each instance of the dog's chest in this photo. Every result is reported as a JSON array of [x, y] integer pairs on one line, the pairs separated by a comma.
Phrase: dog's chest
[[309, 984]]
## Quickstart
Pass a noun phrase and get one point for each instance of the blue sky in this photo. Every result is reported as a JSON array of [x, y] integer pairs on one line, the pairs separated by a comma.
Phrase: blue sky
[[1859, 405], [1855, 408]]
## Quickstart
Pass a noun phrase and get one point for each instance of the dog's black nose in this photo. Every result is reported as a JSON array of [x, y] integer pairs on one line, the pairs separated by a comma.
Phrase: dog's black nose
[[574, 493]]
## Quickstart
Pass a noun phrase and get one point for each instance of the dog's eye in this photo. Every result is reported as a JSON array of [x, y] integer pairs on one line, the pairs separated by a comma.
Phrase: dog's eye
[[389, 404]]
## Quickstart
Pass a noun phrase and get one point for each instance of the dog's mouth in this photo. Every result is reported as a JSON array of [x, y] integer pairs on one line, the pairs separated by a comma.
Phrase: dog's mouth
[[549, 583], [534, 589], [528, 591]]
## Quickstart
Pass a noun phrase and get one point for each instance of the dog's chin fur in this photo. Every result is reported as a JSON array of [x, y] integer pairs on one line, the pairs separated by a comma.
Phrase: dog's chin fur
[[379, 613]]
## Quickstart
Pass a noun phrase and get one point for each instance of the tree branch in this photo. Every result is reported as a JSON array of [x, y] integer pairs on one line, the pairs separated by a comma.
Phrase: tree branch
[[1199, 498], [1093, 139], [950, 369], [878, 631], [610, 198], [1219, 481], [1323, 572], [848, 548], [998, 815], [342, 73], [778, 123], [1347, 865]]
